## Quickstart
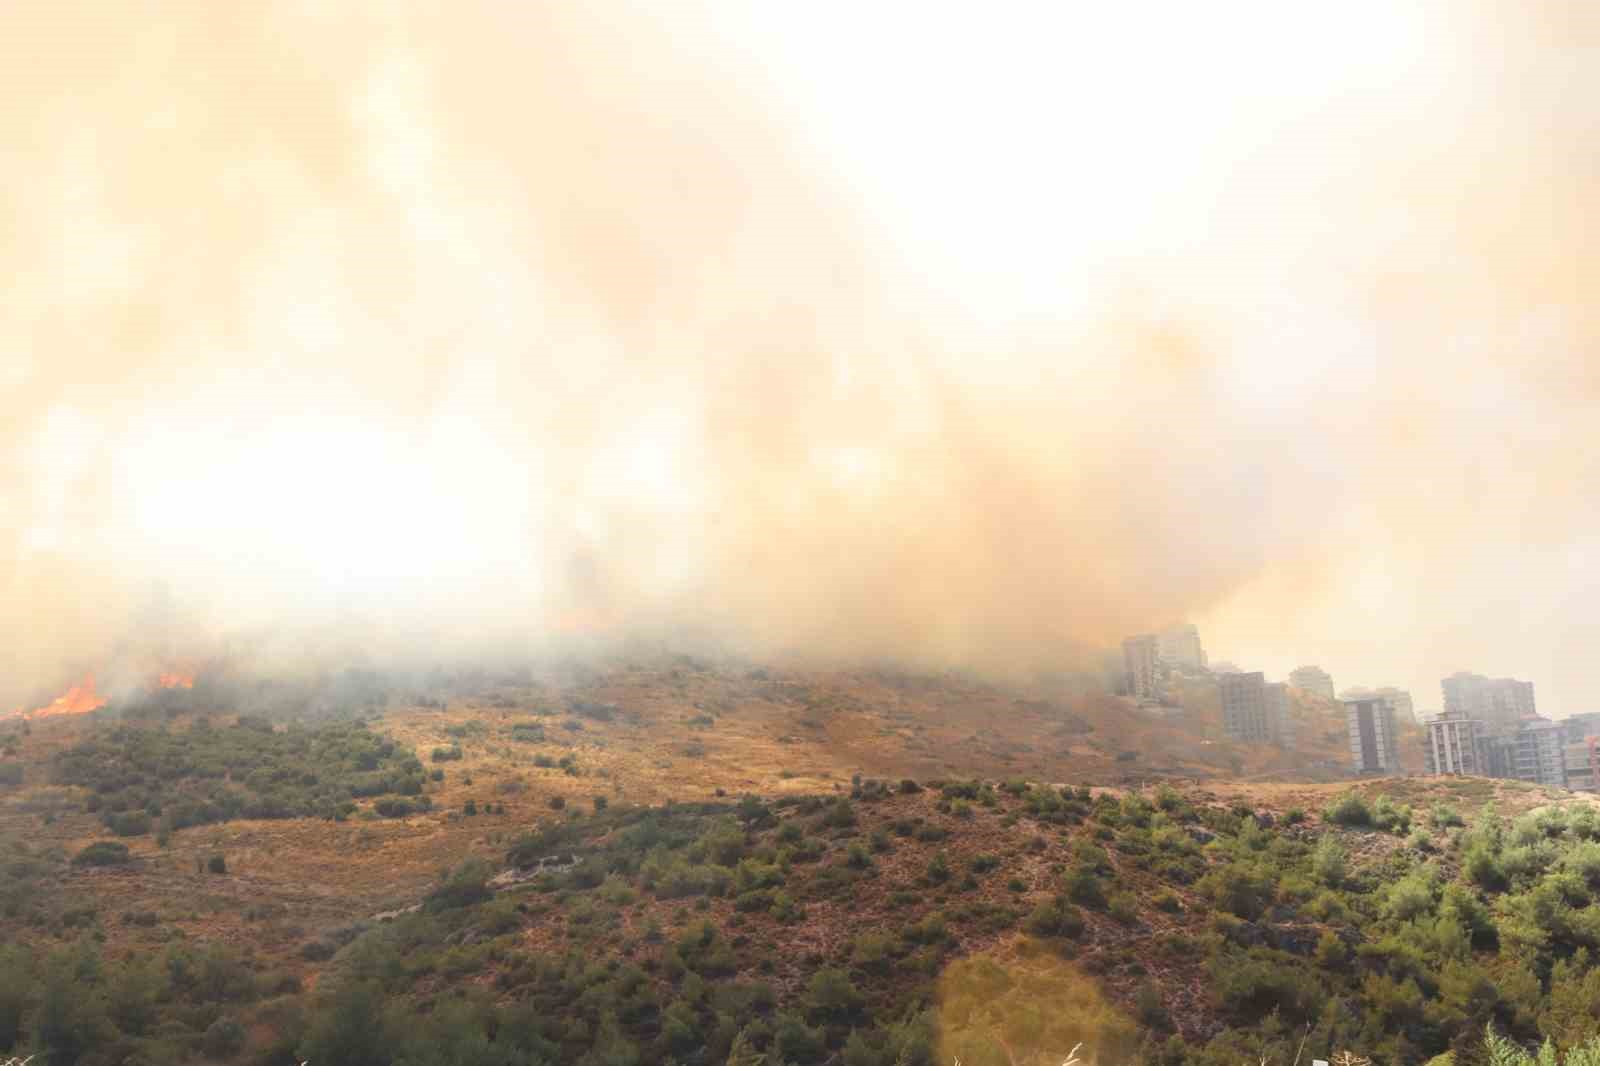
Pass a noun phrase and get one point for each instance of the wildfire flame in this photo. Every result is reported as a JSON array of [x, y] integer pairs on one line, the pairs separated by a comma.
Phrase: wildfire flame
[[79, 699], [82, 698]]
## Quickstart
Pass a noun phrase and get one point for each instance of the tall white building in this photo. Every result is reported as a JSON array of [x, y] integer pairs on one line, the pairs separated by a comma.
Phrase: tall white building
[[1244, 707], [1279, 719], [1540, 757], [1398, 698], [1450, 745], [1313, 679], [1370, 724], [1141, 660], [1498, 702], [1582, 758], [1180, 646]]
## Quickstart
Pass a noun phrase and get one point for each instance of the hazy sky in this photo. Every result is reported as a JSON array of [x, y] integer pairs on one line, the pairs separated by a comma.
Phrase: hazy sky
[[972, 335]]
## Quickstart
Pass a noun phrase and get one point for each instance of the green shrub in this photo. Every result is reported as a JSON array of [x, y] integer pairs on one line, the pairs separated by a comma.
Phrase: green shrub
[[223, 1038], [1055, 918], [128, 823], [103, 853], [831, 997], [1241, 890], [1251, 985], [1329, 863], [1349, 810], [1082, 886]]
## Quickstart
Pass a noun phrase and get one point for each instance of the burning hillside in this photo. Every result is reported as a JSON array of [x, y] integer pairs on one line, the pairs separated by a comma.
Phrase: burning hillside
[[83, 697], [79, 699]]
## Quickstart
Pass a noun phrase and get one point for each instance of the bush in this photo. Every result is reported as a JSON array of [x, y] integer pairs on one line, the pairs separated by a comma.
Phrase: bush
[[1391, 817], [467, 885], [1251, 985], [1084, 887], [1240, 890], [831, 997], [217, 864], [1328, 862], [839, 815], [1056, 918], [1349, 810], [1122, 907], [872, 952], [129, 823], [1482, 864], [223, 1038], [103, 853]]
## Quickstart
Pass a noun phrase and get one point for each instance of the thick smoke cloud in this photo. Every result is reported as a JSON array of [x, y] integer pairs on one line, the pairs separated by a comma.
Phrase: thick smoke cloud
[[413, 331]]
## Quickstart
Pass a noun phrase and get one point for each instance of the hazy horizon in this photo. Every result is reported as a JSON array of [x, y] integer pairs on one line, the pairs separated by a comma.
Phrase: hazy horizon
[[976, 342]]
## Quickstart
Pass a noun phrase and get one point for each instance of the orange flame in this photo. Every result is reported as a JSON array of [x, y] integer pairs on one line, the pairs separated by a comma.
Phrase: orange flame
[[79, 699], [175, 680]]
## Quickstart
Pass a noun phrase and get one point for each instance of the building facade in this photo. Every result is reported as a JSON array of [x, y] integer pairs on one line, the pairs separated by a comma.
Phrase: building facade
[[1280, 720], [1579, 727], [1313, 679], [1582, 760], [1244, 707], [1180, 646], [1400, 700], [1370, 724], [1494, 701], [1450, 745], [1539, 755], [1404, 709], [1141, 660]]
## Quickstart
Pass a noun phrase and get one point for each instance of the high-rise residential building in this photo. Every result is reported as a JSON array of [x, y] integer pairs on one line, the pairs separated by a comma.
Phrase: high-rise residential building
[[1370, 723], [1313, 679], [1399, 699], [1539, 757], [1223, 666], [1180, 646], [1579, 727], [1582, 758], [1244, 707], [1497, 751], [1280, 720], [1141, 658], [1496, 702], [1450, 745]]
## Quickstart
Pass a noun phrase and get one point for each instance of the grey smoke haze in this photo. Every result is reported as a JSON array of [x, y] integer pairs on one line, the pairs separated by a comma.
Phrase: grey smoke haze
[[419, 331]]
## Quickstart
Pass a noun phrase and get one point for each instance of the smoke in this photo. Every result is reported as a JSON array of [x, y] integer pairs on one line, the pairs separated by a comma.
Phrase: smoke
[[398, 330]]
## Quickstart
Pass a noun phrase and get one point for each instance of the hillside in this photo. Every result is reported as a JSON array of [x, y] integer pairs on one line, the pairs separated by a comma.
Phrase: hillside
[[540, 874]]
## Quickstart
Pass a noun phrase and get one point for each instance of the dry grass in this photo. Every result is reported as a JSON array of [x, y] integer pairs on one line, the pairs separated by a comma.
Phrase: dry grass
[[678, 734]]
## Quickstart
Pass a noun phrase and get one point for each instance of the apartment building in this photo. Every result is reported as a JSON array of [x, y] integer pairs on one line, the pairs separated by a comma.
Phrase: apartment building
[[1370, 724], [1450, 745], [1313, 679]]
